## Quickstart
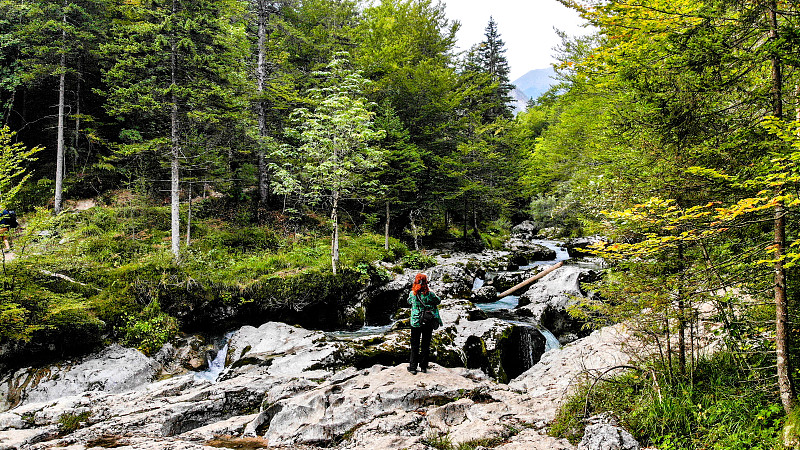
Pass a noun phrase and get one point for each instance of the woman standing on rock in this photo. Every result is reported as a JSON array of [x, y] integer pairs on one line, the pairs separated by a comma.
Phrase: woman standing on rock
[[424, 319]]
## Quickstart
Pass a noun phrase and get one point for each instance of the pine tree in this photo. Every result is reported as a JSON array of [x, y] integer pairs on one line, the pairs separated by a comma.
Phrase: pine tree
[[176, 78], [487, 68]]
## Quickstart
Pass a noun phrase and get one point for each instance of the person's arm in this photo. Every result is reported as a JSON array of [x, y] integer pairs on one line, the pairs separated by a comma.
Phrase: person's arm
[[433, 299]]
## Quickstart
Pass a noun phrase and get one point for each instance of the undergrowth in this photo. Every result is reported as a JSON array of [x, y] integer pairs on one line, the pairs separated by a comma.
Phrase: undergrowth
[[724, 405], [84, 278]]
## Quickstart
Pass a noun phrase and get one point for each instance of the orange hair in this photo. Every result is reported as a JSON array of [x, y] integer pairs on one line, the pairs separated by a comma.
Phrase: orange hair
[[420, 284]]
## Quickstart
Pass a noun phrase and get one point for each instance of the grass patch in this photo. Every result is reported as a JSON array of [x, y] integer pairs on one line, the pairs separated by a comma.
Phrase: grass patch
[[439, 441], [723, 407], [68, 422]]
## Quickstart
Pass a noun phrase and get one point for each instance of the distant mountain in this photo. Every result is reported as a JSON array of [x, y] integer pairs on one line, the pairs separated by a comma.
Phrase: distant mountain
[[520, 101], [536, 82]]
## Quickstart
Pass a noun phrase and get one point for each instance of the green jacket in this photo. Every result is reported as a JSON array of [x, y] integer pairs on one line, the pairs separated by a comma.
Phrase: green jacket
[[425, 301]]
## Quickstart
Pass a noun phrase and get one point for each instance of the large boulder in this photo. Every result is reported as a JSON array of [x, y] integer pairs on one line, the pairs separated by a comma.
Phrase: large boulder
[[579, 247], [485, 294], [283, 350], [531, 251], [144, 418], [112, 370], [451, 280], [604, 433], [525, 230], [382, 301]]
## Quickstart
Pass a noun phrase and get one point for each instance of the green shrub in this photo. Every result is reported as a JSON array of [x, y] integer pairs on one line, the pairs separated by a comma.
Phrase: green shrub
[[150, 330], [115, 249], [418, 261], [68, 422], [242, 239], [396, 251]]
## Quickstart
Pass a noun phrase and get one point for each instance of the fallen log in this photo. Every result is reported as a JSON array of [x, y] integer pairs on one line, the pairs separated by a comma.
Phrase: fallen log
[[530, 280]]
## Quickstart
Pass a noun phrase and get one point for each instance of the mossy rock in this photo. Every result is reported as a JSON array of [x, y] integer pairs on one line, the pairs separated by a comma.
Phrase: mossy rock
[[313, 300]]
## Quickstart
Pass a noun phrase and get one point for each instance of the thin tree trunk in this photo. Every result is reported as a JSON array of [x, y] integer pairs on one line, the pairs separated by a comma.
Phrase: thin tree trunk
[[61, 104], [414, 229], [76, 137], [189, 219], [681, 315], [175, 153], [386, 229], [669, 347], [263, 188], [335, 238], [781, 304], [466, 218]]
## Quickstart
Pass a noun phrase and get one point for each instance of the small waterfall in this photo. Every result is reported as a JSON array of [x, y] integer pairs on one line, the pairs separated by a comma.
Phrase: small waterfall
[[551, 342], [478, 283], [217, 365]]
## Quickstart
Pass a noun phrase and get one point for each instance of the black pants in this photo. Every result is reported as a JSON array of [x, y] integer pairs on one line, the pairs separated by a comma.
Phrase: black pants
[[420, 354]]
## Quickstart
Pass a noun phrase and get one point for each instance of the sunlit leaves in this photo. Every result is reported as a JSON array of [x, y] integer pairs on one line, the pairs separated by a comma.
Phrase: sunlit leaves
[[14, 160]]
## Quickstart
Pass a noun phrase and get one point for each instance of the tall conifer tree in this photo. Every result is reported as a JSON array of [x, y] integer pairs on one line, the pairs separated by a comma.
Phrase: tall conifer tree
[[486, 63], [177, 71]]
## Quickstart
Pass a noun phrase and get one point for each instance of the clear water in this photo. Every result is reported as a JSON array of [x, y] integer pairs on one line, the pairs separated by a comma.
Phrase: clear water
[[507, 302], [561, 253], [551, 342]]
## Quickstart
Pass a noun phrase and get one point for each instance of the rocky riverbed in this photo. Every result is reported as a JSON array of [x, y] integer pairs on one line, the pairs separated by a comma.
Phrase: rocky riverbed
[[283, 386]]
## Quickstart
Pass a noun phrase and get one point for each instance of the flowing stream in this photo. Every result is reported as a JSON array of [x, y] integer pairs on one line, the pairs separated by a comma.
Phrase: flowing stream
[[217, 365], [510, 302]]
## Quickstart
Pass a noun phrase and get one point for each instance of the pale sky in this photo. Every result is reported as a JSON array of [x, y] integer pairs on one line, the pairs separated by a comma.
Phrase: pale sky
[[526, 26]]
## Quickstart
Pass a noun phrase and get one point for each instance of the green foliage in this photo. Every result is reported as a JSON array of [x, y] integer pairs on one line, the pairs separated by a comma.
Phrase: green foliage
[[418, 260], [69, 422], [439, 441], [14, 158], [245, 239], [150, 329], [561, 211], [396, 251], [723, 407]]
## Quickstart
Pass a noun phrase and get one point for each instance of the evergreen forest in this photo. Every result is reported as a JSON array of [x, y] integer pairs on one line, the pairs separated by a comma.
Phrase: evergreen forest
[[167, 155]]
